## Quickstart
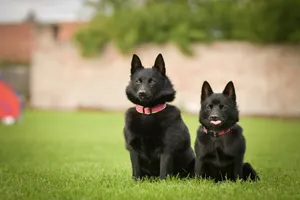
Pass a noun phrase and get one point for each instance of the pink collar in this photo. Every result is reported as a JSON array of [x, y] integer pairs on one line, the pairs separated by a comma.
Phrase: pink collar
[[215, 134], [150, 110]]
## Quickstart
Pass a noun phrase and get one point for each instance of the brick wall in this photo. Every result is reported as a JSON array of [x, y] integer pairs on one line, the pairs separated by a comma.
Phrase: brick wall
[[67, 30], [17, 42]]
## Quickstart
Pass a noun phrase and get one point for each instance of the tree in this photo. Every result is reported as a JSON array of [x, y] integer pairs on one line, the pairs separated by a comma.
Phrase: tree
[[129, 23]]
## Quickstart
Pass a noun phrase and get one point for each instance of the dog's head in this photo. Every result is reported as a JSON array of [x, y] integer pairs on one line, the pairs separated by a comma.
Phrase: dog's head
[[149, 86], [218, 110]]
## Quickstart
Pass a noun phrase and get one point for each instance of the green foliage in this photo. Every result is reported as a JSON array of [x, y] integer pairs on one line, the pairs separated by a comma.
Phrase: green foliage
[[130, 23]]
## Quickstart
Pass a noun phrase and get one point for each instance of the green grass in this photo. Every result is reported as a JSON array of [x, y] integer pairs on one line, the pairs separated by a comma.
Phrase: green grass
[[52, 155]]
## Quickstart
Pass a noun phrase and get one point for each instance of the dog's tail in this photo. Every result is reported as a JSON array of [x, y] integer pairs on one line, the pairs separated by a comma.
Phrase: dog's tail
[[249, 173]]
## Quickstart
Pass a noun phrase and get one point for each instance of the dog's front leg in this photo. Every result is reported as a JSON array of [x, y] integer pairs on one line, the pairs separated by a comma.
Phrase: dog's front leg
[[136, 167], [166, 165], [238, 169], [198, 168]]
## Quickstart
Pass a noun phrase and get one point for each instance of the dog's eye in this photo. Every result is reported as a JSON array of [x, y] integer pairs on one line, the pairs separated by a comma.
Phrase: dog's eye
[[222, 107], [209, 107], [151, 81], [138, 81]]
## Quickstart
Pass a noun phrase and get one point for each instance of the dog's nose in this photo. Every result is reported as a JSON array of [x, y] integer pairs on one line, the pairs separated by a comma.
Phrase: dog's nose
[[142, 94], [214, 117]]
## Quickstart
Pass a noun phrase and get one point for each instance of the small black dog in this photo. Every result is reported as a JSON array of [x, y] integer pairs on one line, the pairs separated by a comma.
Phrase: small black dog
[[155, 134], [220, 145]]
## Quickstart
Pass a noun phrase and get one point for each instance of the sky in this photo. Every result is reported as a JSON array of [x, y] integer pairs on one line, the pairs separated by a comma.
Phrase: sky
[[46, 10]]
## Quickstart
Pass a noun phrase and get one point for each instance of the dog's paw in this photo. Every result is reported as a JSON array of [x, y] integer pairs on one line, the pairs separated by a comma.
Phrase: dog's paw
[[137, 178]]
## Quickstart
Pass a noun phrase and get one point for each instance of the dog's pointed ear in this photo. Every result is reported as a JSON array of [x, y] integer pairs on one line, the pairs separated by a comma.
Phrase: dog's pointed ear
[[230, 91], [206, 91], [136, 64], [160, 64]]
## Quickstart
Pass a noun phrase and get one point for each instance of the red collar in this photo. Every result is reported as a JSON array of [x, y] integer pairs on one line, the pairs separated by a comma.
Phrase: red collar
[[150, 110], [215, 134]]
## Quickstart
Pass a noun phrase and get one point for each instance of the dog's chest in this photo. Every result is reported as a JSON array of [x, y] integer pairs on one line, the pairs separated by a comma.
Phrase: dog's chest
[[215, 152], [149, 138]]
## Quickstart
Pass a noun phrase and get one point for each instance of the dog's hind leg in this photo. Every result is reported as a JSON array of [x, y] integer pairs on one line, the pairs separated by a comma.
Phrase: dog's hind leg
[[249, 173]]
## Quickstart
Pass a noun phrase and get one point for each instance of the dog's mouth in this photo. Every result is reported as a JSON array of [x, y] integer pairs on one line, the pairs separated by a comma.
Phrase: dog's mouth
[[144, 98], [216, 122]]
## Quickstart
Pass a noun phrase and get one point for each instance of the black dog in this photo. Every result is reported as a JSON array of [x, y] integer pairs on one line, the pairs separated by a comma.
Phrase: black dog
[[155, 134], [220, 145]]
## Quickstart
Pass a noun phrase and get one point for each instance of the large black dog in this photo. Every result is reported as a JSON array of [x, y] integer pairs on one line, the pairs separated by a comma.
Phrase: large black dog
[[155, 134], [220, 145]]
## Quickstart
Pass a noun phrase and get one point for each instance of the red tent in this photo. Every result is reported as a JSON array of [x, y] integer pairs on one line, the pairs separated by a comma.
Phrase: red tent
[[10, 104]]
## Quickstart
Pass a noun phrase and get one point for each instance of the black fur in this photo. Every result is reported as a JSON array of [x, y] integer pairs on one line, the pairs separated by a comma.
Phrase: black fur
[[221, 157], [159, 144]]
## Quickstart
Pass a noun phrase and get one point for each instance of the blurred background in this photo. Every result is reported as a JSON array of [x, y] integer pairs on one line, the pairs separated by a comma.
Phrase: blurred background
[[61, 59], [76, 54]]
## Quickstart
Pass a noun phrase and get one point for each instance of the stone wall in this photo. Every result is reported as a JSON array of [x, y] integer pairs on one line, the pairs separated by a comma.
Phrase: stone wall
[[267, 78]]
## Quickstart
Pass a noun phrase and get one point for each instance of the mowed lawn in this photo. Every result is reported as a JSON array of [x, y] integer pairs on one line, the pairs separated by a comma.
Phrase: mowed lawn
[[81, 155]]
